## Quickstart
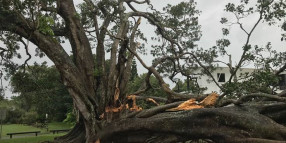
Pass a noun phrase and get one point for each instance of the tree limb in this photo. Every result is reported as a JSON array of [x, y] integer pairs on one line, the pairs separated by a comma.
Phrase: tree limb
[[155, 110], [27, 52], [248, 97], [158, 99]]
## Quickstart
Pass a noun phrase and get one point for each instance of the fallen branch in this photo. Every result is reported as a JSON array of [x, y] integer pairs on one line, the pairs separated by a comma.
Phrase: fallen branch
[[248, 97], [157, 99], [153, 111]]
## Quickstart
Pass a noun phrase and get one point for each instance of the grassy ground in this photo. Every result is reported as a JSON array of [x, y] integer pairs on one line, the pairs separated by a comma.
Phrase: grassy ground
[[26, 138], [32, 139], [59, 125]]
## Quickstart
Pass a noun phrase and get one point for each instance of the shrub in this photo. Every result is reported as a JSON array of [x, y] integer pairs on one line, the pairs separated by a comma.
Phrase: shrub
[[30, 118], [71, 118], [13, 115]]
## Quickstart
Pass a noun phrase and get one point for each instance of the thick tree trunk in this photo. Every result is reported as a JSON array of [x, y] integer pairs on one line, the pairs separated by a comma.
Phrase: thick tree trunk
[[76, 135], [226, 124], [233, 124]]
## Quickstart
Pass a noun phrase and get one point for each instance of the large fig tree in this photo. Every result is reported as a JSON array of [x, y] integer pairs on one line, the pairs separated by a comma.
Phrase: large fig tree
[[110, 29]]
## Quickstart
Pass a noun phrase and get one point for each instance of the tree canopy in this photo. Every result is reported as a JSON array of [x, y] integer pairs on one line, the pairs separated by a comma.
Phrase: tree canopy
[[99, 89]]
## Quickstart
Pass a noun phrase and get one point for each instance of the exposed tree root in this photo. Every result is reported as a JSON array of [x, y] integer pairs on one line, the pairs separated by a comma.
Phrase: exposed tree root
[[76, 135]]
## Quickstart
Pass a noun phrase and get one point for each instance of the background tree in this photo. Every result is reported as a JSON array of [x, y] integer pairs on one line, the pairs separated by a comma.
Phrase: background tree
[[111, 27], [134, 73], [190, 86], [40, 90], [155, 89], [268, 62]]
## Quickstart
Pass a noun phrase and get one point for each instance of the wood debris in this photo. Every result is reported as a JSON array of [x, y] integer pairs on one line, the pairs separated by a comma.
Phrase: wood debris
[[190, 104], [153, 101], [113, 109], [97, 141], [116, 95], [134, 106], [187, 105], [210, 100]]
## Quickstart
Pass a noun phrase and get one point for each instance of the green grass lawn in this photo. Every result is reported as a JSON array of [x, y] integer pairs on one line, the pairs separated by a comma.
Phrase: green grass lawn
[[30, 139], [59, 125], [44, 136]]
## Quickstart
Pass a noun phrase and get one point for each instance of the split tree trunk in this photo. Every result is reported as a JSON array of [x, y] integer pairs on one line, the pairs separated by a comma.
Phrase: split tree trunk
[[226, 124], [246, 123]]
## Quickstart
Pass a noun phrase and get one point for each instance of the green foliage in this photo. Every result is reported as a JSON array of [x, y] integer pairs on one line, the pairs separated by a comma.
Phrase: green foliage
[[41, 90], [258, 81], [97, 72], [156, 90], [70, 119], [45, 24], [181, 25], [183, 87], [13, 112], [264, 58], [222, 43], [14, 116], [223, 20], [29, 118], [246, 47], [134, 73], [225, 31]]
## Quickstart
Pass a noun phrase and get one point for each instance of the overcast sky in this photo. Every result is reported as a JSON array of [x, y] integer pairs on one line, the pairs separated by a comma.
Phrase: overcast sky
[[211, 13]]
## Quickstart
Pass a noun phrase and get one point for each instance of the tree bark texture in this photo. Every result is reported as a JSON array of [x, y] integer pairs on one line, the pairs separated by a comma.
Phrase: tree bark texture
[[243, 123], [93, 90]]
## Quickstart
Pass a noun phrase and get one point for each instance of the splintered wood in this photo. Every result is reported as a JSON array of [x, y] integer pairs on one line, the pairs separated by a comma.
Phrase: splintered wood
[[210, 100], [113, 109], [187, 105], [153, 101], [116, 95], [134, 106], [192, 103]]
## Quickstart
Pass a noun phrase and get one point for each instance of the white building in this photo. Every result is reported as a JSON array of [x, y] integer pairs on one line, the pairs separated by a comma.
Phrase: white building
[[222, 75]]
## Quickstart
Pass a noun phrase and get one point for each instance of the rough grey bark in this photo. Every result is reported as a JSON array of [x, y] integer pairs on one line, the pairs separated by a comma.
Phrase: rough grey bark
[[243, 123]]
